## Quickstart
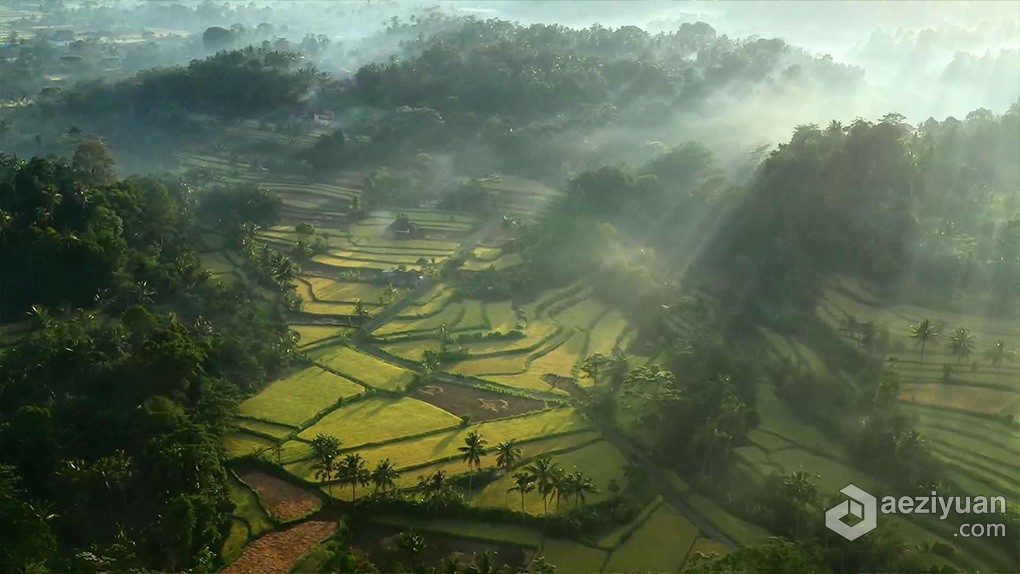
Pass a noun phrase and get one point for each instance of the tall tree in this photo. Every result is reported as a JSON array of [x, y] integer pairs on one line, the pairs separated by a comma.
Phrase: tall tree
[[507, 455], [961, 343], [471, 453], [352, 471], [923, 333], [999, 353], [384, 475], [524, 482], [94, 162], [545, 472], [325, 450]]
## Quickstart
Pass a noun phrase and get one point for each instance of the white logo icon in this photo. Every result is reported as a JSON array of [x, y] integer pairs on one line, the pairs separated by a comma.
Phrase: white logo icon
[[861, 505]]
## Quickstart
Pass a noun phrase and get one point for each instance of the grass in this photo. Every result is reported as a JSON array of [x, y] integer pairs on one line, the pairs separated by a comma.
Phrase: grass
[[776, 417], [451, 315], [974, 399], [237, 443], [363, 368], [658, 545], [300, 396], [599, 460], [236, 539], [617, 536], [581, 315], [262, 427], [569, 557], [606, 333], [502, 317], [505, 533], [744, 533], [246, 506], [325, 289], [380, 419], [419, 451], [561, 360], [311, 334]]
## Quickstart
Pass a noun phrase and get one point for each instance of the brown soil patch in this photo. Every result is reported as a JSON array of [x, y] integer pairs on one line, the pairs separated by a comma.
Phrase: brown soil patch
[[277, 552], [973, 399], [280, 498], [480, 405]]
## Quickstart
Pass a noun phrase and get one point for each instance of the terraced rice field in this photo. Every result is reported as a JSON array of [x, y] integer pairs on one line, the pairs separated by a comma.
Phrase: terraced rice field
[[247, 507], [300, 396], [443, 445], [362, 368], [241, 443], [660, 544], [570, 557], [376, 419], [600, 460], [530, 449], [311, 334]]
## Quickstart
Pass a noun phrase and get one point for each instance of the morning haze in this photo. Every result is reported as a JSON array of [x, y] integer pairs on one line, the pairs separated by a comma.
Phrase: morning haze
[[502, 287]]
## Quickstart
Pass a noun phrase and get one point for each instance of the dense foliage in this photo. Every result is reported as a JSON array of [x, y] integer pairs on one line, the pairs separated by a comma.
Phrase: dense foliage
[[112, 416]]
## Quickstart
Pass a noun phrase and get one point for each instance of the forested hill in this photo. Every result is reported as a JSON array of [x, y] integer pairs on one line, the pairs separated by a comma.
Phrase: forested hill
[[114, 404], [543, 100], [926, 212]]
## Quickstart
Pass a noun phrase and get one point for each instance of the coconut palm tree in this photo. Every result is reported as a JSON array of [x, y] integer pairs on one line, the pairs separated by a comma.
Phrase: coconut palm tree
[[507, 455], [524, 482], [961, 343], [799, 487], [924, 332], [472, 452], [352, 471], [998, 353], [384, 475], [581, 485], [544, 470], [432, 486]]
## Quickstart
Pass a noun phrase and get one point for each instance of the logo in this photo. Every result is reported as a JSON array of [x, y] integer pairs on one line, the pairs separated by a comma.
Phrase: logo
[[860, 505]]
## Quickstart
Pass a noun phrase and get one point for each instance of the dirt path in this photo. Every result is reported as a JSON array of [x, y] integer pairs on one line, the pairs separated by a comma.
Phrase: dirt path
[[277, 552]]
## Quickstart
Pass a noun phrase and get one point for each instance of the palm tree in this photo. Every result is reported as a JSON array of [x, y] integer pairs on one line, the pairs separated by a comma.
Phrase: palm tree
[[384, 475], [507, 455], [352, 471], [998, 353], [799, 488], [472, 452], [524, 482], [325, 449], [961, 343], [559, 486], [544, 470], [923, 332], [581, 485], [432, 486], [114, 471]]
